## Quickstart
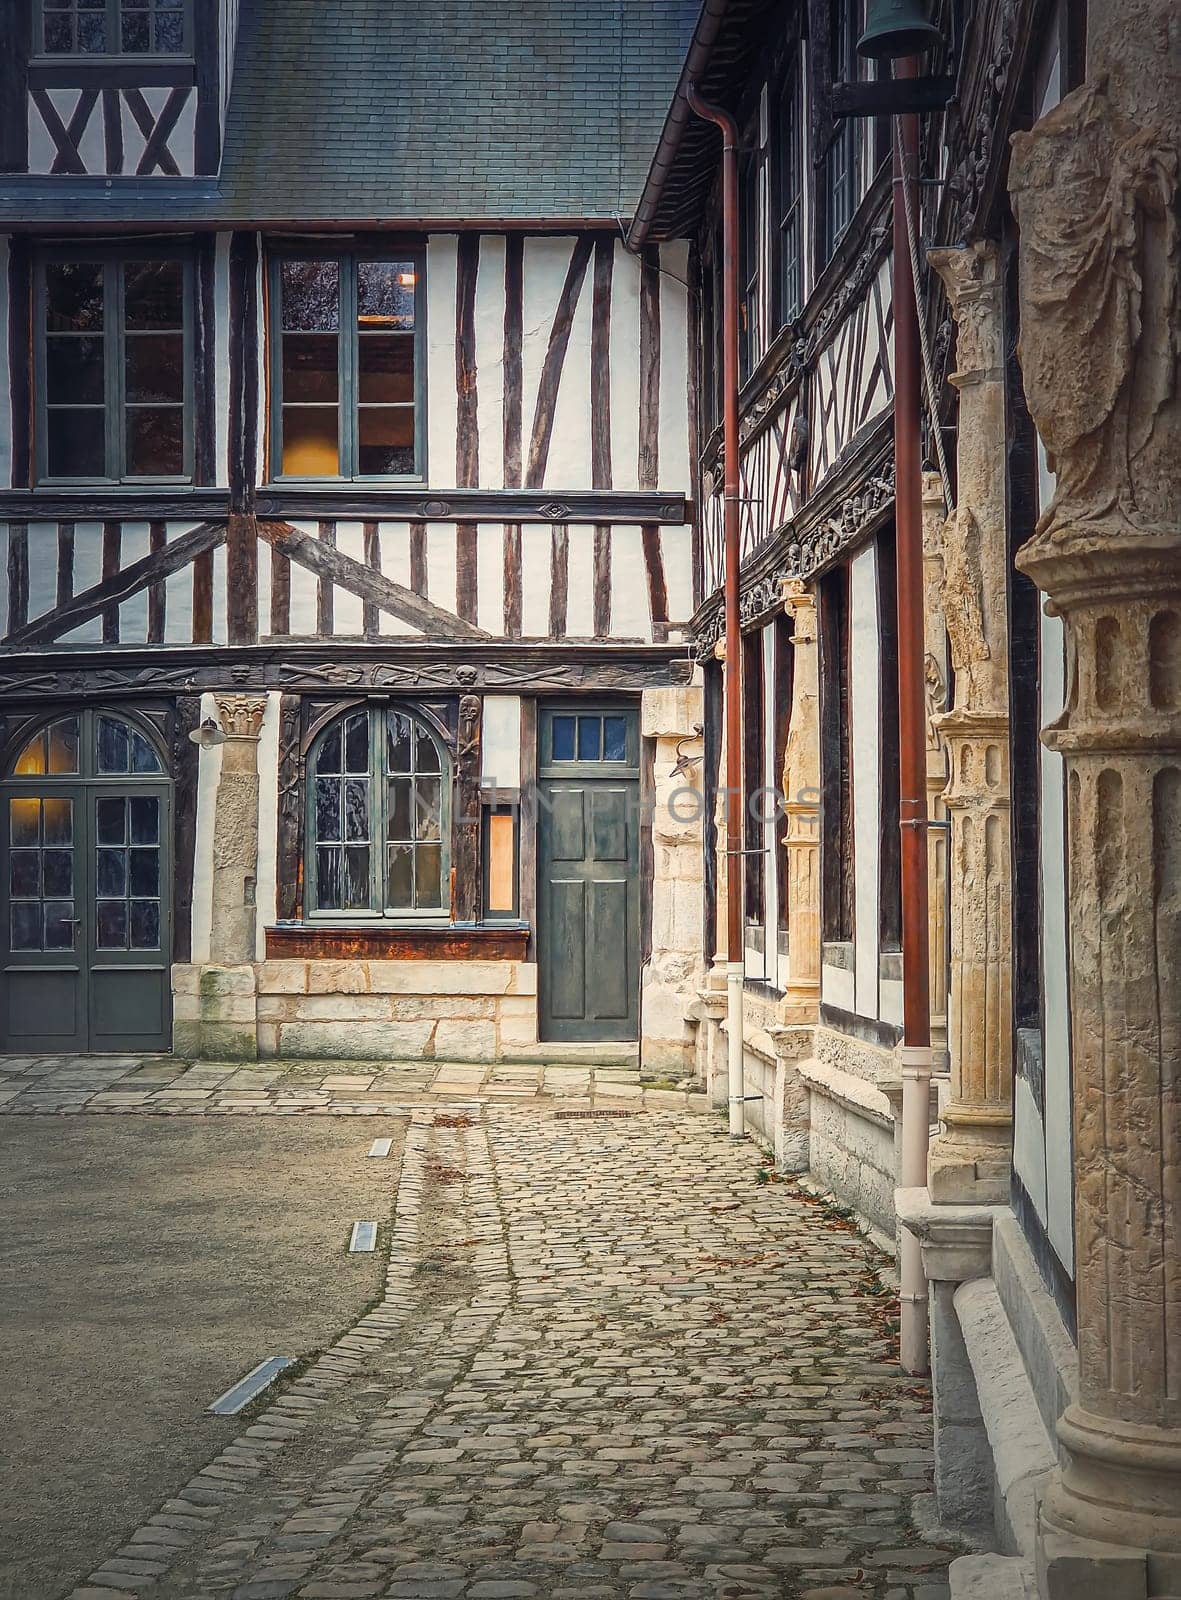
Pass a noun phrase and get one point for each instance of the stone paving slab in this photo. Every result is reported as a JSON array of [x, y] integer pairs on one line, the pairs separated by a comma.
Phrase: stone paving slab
[[167, 1086], [612, 1362]]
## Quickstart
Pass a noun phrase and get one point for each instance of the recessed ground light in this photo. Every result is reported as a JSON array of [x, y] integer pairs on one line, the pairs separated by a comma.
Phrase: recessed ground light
[[245, 1390], [380, 1148], [364, 1236]]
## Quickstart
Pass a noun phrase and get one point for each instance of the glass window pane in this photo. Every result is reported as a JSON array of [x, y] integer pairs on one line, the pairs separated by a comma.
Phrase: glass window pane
[[75, 443], [426, 751], [356, 743], [63, 745], [328, 878], [134, 31], [112, 925], [111, 872], [145, 820], [153, 294], [328, 759], [58, 868], [385, 294], [397, 742], [400, 877], [356, 875], [59, 925], [24, 819], [590, 730], [427, 823], [26, 925], [310, 367], [169, 32], [59, 35], [24, 873], [145, 872], [155, 366], [614, 738], [114, 746], [428, 868], [310, 445], [386, 367], [328, 809], [155, 442], [143, 758], [74, 369], [145, 924], [310, 294], [73, 297], [563, 738], [92, 33], [385, 440], [110, 819], [31, 762], [356, 808], [398, 826], [57, 821], [502, 874]]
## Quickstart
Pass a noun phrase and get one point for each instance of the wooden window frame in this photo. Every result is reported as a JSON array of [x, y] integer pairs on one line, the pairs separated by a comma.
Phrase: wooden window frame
[[501, 914], [114, 12], [112, 258], [377, 912], [790, 196], [840, 170], [347, 404], [750, 169]]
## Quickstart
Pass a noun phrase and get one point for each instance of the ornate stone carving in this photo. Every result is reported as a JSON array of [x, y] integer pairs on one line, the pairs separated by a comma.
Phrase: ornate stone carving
[[801, 797], [241, 715], [1095, 197], [235, 831]]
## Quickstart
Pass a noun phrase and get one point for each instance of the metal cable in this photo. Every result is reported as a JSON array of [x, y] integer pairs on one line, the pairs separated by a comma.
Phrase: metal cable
[[924, 348]]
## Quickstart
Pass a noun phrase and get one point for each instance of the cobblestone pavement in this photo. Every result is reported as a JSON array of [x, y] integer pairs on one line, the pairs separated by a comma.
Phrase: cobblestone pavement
[[164, 1085], [611, 1361]]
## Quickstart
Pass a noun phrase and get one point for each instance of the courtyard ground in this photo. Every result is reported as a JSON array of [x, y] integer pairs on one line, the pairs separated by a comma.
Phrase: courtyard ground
[[614, 1356]]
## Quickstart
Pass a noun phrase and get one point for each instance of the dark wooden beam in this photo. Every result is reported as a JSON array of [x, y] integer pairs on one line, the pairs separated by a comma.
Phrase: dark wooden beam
[[465, 856], [600, 364], [185, 760], [648, 465], [559, 580], [555, 358], [113, 505], [467, 421], [514, 293], [242, 579], [111, 558], [330, 564], [243, 285], [512, 580], [602, 580], [289, 840], [356, 503]]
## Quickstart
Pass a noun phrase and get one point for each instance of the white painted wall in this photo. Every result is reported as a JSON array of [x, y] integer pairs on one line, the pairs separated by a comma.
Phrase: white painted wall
[[221, 365], [500, 747]]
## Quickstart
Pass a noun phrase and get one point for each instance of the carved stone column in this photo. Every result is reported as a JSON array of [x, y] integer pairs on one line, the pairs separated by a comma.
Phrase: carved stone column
[[936, 673], [235, 831], [969, 1161], [1095, 189], [801, 799]]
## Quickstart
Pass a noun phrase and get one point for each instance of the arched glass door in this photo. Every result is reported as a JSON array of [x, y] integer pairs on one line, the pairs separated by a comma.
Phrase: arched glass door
[[85, 876]]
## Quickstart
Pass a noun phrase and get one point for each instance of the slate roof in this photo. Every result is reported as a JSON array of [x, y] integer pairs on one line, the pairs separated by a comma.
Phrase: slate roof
[[377, 110]]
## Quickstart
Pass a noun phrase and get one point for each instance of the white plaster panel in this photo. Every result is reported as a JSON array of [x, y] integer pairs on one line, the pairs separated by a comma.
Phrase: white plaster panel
[[220, 628], [500, 745], [544, 265], [5, 394], [770, 814], [580, 593], [133, 612], [395, 564], [441, 401], [440, 563], [182, 141], [535, 580], [133, 140], [625, 368], [568, 462], [837, 987], [891, 992], [208, 773], [490, 361], [264, 588], [630, 617], [42, 567], [676, 546], [42, 149], [674, 368], [1029, 1146], [348, 609], [304, 590], [490, 577], [221, 345], [178, 592], [268, 821], [865, 715]]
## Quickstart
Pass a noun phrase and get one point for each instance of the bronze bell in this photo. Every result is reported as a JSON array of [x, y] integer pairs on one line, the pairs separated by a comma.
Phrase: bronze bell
[[896, 28]]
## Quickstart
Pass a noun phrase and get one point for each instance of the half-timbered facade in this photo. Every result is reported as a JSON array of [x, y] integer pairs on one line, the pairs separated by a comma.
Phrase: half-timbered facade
[[346, 483]]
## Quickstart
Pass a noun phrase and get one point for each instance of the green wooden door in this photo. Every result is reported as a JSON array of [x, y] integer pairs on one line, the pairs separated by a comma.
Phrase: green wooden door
[[588, 856], [84, 890]]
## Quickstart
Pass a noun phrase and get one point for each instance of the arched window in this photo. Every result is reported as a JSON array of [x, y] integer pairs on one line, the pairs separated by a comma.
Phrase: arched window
[[379, 807]]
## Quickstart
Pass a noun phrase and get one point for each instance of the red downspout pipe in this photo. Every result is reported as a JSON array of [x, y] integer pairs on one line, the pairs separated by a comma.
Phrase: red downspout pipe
[[734, 856], [912, 736]]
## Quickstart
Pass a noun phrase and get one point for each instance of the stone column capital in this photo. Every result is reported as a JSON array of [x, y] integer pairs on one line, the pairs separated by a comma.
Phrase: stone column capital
[[241, 715], [971, 276], [956, 1239]]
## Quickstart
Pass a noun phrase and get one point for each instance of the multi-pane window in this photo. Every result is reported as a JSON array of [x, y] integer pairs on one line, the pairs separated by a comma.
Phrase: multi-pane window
[[113, 378], [749, 175], [588, 737], [841, 164], [789, 198], [114, 27], [347, 362], [380, 808]]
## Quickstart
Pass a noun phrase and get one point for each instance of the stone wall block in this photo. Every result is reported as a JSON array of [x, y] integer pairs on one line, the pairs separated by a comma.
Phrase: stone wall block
[[465, 1041], [282, 977], [338, 977], [356, 1041]]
